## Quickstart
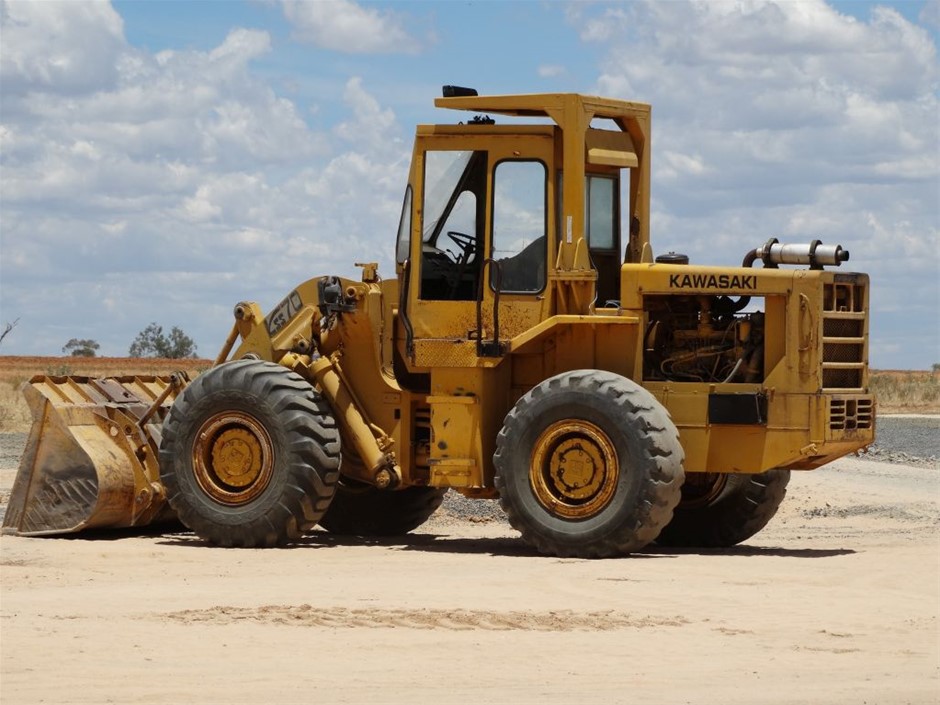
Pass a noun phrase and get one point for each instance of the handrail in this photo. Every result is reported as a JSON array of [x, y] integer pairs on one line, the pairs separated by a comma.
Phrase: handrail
[[403, 308], [482, 349]]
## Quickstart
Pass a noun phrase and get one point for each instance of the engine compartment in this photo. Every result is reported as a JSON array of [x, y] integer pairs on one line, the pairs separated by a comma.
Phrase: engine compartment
[[699, 338]]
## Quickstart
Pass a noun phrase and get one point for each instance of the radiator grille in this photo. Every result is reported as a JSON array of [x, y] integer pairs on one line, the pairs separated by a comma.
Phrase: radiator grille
[[844, 345], [851, 414], [843, 327], [843, 352]]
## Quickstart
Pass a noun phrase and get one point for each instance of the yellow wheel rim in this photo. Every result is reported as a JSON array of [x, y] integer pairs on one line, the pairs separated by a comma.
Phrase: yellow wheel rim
[[701, 488], [233, 458], [574, 469]]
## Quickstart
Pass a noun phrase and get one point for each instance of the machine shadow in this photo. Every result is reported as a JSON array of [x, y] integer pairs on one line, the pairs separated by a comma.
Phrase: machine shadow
[[744, 551], [173, 533], [503, 546], [430, 543], [163, 529]]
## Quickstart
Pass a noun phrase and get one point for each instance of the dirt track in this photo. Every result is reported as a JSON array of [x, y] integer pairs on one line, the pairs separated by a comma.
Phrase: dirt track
[[837, 601]]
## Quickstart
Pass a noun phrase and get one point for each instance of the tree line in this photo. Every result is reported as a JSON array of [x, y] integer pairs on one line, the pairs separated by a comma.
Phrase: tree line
[[150, 342]]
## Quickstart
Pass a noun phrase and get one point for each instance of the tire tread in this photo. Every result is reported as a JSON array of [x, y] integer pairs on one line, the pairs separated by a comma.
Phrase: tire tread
[[312, 447], [661, 456]]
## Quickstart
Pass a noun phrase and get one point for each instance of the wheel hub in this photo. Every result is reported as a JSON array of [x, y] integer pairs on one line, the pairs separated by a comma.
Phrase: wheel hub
[[233, 458], [574, 469], [701, 488], [236, 457]]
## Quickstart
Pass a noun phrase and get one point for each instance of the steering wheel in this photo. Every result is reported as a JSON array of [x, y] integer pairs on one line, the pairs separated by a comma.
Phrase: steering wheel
[[467, 245]]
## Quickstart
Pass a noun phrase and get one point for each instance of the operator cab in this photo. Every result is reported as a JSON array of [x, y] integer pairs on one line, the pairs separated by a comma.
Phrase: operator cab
[[455, 218], [524, 214]]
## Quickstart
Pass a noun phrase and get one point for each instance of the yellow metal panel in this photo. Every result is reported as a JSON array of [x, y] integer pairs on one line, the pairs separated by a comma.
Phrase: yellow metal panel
[[795, 435], [638, 280], [557, 323], [454, 441], [467, 411], [434, 352], [611, 157], [609, 148]]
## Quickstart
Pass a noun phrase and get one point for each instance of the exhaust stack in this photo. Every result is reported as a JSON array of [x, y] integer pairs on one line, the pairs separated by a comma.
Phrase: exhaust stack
[[773, 253]]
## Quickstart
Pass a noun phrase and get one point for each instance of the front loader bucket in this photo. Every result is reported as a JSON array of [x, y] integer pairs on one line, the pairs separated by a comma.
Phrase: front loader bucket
[[91, 458]]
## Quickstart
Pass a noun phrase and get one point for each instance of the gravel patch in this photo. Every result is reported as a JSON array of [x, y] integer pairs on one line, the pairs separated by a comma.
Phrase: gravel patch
[[11, 449], [906, 513], [481, 511], [906, 440]]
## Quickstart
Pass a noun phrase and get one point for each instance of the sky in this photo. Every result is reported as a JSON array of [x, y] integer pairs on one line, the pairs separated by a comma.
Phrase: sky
[[162, 161]]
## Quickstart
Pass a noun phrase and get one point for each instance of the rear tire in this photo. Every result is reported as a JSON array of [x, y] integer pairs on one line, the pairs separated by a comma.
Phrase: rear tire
[[719, 510], [250, 455], [362, 510], [589, 465]]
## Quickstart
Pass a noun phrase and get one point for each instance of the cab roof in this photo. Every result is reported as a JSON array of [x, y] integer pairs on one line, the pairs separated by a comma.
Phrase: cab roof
[[556, 106]]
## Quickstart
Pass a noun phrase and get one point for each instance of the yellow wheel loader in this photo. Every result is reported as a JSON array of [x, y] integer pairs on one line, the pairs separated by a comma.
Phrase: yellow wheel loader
[[530, 348]]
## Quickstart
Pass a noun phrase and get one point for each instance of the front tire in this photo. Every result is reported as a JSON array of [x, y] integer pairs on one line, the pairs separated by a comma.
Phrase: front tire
[[250, 455], [722, 510], [589, 465]]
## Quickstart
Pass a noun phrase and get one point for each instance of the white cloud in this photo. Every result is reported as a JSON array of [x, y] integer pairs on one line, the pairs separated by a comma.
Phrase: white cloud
[[239, 47], [551, 71], [371, 125], [789, 119], [168, 185], [343, 25], [930, 14], [599, 29], [60, 47], [178, 186], [677, 164]]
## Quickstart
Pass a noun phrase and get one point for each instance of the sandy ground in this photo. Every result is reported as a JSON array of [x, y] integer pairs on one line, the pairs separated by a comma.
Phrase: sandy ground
[[836, 601]]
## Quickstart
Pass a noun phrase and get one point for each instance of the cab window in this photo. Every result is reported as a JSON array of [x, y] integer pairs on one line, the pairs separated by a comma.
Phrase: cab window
[[452, 229], [519, 226], [404, 229], [600, 212]]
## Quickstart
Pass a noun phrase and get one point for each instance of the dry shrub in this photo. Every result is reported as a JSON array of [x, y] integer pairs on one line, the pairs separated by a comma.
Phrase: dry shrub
[[14, 414], [14, 371], [909, 391]]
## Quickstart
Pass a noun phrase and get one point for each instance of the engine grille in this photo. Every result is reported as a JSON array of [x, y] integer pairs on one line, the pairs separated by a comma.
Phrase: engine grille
[[844, 341], [421, 442], [850, 414]]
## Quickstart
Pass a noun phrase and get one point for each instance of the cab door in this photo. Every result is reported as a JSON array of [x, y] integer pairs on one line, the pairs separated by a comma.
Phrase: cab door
[[481, 219]]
